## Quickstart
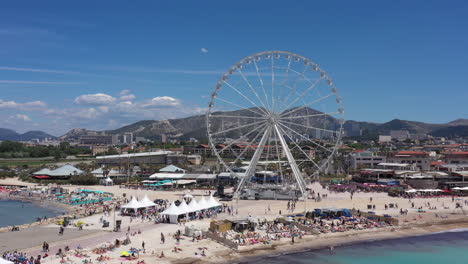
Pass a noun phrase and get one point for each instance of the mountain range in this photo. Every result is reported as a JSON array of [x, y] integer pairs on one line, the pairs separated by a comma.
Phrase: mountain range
[[8, 134], [195, 126]]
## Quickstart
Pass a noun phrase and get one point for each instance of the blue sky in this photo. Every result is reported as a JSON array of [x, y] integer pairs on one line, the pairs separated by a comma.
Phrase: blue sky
[[103, 64]]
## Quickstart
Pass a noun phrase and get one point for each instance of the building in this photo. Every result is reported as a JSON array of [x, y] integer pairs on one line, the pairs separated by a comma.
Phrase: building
[[385, 139], [127, 138], [359, 159], [63, 172], [400, 135], [91, 140], [97, 149], [456, 157], [133, 159], [420, 159]]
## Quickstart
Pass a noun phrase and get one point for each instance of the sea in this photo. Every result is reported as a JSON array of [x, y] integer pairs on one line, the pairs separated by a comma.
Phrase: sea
[[438, 248], [13, 212]]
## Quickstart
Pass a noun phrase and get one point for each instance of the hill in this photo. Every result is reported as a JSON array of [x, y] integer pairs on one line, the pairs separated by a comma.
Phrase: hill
[[8, 134], [195, 126]]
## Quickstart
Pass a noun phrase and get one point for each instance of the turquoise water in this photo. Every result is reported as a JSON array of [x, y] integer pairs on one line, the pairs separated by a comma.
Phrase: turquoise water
[[449, 248], [14, 212]]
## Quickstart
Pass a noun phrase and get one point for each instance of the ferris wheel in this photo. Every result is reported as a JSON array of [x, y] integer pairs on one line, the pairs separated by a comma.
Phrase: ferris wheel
[[275, 118]]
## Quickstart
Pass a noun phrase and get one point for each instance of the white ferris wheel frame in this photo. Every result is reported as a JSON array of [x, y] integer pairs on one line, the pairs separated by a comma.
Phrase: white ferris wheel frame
[[272, 115]]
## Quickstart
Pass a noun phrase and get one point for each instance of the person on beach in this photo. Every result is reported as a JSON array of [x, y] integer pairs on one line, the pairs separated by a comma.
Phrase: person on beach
[[163, 239]]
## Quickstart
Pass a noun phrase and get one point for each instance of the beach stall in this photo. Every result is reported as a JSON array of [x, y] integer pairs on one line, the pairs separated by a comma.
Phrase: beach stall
[[173, 212], [203, 204], [131, 207], [146, 202]]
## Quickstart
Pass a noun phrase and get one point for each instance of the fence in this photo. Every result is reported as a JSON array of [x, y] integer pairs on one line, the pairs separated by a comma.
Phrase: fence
[[221, 240]]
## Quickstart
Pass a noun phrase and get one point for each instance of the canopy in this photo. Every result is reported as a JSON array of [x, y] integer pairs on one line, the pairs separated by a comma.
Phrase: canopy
[[193, 205], [4, 261], [133, 204], [203, 204], [108, 179], [146, 202], [212, 202], [184, 208], [172, 210], [460, 188]]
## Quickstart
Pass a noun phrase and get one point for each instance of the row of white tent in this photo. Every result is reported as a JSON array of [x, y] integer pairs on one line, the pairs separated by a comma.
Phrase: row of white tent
[[145, 202], [460, 188], [424, 190], [193, 206]]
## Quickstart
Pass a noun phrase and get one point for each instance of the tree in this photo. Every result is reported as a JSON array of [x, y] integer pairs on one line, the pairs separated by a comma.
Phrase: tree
[[84, 179]]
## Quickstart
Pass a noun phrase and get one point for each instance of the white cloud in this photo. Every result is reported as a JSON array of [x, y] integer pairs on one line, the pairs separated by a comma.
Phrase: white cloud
[[86, 113], [21, 117], [95, 99], [33, 105], [4, 68], [203, 50], [127, 97], [161, 101], [124, 92], [35, 82]]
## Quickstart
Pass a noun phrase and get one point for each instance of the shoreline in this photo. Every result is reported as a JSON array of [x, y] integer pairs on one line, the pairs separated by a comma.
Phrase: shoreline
[[321, 242], [61, 209], [252, 253]]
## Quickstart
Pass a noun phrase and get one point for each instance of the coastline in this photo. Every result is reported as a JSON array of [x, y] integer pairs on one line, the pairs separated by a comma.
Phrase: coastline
[[63, 210], [320, 242]]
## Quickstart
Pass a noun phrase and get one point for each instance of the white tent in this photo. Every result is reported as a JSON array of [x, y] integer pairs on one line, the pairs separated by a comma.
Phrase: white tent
[[173, 212], [133, 204], [193, 205], [4, 261], [184, 208], [202, 203], [146, 202], [108, 181], [212, 202], [411, 191]]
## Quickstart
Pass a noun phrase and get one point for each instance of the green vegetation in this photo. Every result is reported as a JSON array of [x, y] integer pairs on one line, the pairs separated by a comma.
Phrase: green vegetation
[[86, 179], [12, 149]]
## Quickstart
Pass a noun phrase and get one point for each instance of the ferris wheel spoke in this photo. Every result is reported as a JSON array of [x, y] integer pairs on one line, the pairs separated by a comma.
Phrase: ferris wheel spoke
[[251, 87], [278, 154], [241, 107], [284, 83], [301, 75], [228, 116], [307, 116], [273, 83], [244, 137], [306, 105], [304, 93], [261, 84], [299, 147], [238, 127], [245, 97], [309, 127], [248, 147], [308, 139]]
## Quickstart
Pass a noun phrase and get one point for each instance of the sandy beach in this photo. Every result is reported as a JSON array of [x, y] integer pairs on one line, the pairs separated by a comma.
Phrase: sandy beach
[[446, 217]]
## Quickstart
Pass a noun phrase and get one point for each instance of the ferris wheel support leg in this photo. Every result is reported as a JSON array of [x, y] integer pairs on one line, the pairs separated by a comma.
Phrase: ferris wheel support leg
[[292, 162], [253, 163]]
